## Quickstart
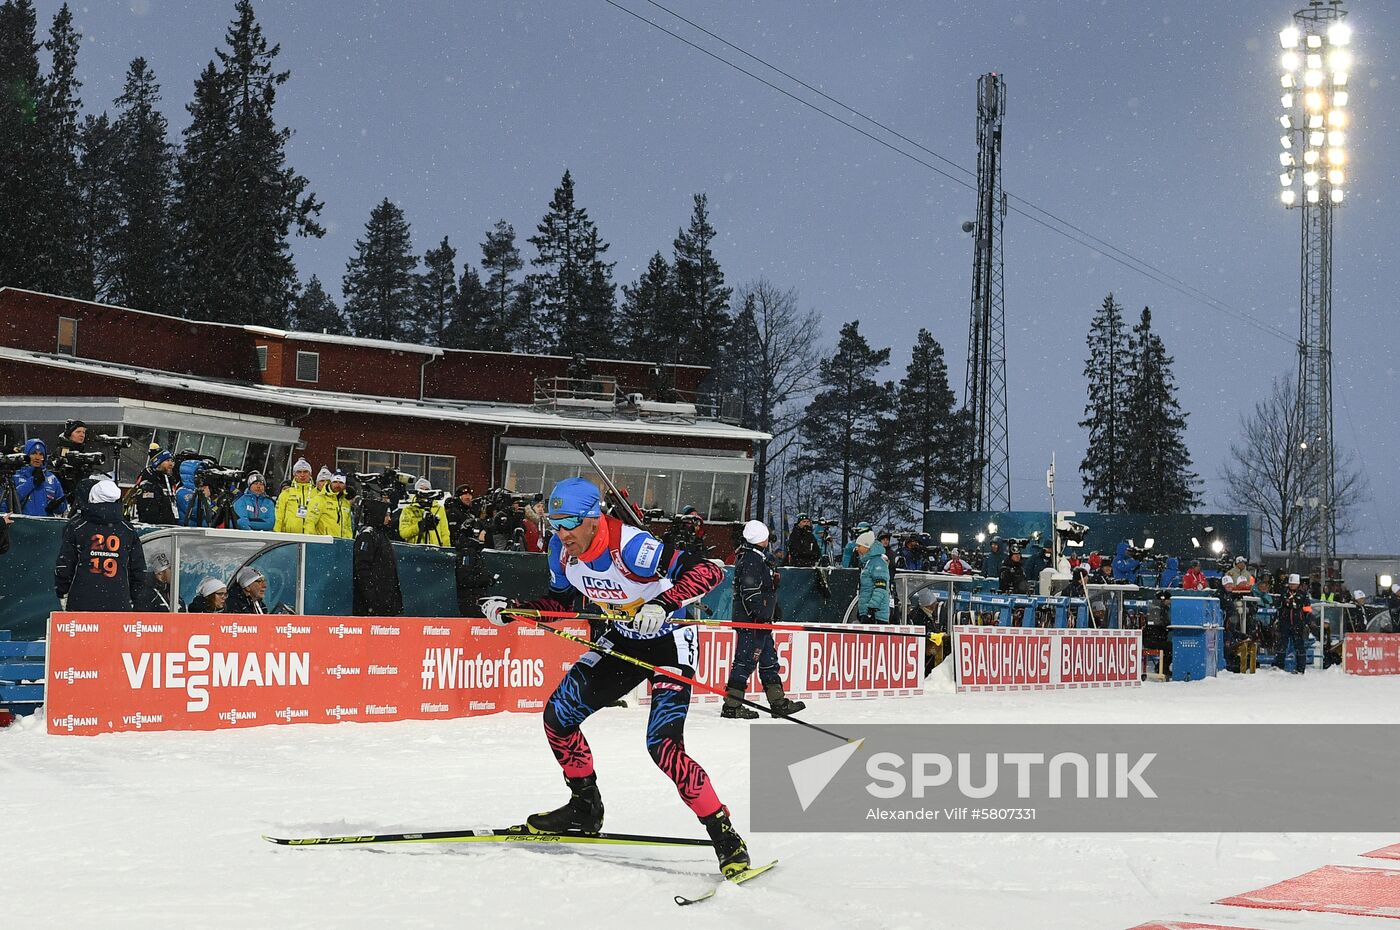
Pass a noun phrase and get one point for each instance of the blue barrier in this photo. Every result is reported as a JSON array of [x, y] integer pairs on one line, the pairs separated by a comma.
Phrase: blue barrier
[[21, 674]]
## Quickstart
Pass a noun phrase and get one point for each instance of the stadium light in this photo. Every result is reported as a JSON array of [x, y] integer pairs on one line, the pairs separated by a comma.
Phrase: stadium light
[[948, 539], [1316, 62], [1217, 546]]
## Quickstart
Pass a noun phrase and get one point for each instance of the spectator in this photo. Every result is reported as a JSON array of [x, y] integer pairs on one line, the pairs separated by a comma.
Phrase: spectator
[[101, 565], [69, 473], [1125, 567], [463, 508], [874, 601], [756, 601], [473, 578], [823, 534], [956, 564], [155, 595], [249, 586], [192, 499], [536, 533], [1392, 606], [1355, 617], [209, 597], [1294, 612], [38, 492], [1238, 580], [1033, 560], [1078, 584], [1095, 560], [886, 540], [323, 478], [155, 491], [333, 510], [911, 556], [1012, 578], [996, 557], [253, 509], [803, 550], [423, 519], [849, 559], [376, 575], [1171, 575], [1195, 579], [297, 505]]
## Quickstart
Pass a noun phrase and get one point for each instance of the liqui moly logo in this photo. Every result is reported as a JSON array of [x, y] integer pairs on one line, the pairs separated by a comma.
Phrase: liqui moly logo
[[340, 713], [291, 713], [71, 723], [139, 720], [140, 628], [603, 589], [289, 630], [235, 629], [234, 717], [73, 627], [197, 669], [340, 631], [71, 674]]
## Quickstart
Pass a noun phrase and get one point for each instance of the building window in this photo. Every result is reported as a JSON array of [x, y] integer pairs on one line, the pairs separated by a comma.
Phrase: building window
[[262, 358], [440, 470], [67, 336], [308, 366]]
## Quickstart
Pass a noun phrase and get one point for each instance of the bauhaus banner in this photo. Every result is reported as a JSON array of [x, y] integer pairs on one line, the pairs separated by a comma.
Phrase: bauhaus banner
[[1002, 658], [136, 671]]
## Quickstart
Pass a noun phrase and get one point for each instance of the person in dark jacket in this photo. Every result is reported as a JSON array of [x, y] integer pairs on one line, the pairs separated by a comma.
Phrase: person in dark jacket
[[5, 521], [193, 500], [1294, 612], [209, 597], [756, 601], [1012, 578], [376, 575], [473, 579], [155, 491], [249, 586], [72, 441], [155, 595], [803, 550], [100, 562], [38, 492]]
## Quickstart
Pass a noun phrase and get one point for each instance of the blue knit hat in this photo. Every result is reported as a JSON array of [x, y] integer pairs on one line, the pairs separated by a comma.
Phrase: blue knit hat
[[575, 497], [160, 458]]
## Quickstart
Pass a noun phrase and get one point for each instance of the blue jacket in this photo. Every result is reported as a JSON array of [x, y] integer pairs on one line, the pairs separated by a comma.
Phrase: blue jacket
[[255, 511], [875, 584], [1171, 575], [41, 497], [848, 555], [1124, 566], [185, 496]]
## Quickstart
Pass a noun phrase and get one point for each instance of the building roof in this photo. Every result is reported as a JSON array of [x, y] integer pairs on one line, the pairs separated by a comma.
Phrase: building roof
[[449, 410]]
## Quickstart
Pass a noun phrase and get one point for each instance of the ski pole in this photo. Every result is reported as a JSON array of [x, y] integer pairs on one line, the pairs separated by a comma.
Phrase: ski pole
[[738, 624], [607, 649]]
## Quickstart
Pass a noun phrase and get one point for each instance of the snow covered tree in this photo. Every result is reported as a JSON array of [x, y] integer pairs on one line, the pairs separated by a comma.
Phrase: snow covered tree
[[573, 288], [934, 433], [1104, 468], [143, 271], [437, 295], [698, 327], [379, 284], [314, 311], [1158, 477]]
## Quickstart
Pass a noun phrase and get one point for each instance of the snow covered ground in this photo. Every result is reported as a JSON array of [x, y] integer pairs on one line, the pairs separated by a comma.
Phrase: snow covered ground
[[162, 829]]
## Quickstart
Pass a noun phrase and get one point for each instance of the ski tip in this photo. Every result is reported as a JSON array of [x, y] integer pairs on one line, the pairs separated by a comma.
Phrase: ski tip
[[859, 743]]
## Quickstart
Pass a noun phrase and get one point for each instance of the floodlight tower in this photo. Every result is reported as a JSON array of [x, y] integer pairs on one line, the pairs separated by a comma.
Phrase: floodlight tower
[[989, 460], [1316, 75]]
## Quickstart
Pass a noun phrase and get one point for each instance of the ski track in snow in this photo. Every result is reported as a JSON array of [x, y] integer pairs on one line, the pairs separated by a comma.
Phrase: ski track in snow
[[163, 829]]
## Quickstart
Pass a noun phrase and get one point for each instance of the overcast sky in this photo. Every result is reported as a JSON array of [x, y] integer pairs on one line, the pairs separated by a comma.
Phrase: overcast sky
[[1152, 125]]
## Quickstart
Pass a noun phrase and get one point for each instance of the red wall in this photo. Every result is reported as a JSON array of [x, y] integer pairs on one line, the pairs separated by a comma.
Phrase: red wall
[[346, 369]]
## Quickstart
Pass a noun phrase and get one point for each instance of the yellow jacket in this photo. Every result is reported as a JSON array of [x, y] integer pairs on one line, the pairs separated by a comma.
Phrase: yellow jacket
[[298, 509], [333, 514], [409, 518]]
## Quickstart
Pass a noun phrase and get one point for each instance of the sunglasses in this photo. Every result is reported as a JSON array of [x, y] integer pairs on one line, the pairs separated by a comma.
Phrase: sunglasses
[[566, 523]]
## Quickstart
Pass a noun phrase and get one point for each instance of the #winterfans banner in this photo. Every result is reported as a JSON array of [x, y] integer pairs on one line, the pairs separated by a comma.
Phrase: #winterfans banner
[[1372, 654], [138, 671], [1009, 658], [851, 661]]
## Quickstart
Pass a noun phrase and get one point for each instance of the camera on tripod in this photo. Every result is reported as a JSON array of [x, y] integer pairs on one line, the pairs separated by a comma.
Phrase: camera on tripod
[[389, 484], [13, 460]]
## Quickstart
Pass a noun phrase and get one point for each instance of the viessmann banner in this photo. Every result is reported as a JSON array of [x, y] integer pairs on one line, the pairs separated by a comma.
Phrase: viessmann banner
[[1008, 658], [1372, 654], [135, 671]]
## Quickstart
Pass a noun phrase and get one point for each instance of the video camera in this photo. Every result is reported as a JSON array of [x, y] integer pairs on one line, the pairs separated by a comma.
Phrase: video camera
[[827, 522], [13, 460], [389, 484], [504, 498]]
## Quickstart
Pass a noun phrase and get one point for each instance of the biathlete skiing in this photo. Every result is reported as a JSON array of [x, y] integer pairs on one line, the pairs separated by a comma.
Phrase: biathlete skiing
[[623, 570]]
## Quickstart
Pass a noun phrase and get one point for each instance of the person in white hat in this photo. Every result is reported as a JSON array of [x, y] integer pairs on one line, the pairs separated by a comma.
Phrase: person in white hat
[[423, 519], [334, 510], [249, 586], [156, 594], [209, 597], [101, 565], [1239, 579], [1291, 626], [874, 600], [298, 505], [755, 601]]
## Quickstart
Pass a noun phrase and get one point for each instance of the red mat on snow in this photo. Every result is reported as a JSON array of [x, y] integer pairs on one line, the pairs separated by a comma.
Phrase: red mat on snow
[[1385, 852], [1332, 889], [1183, 925]]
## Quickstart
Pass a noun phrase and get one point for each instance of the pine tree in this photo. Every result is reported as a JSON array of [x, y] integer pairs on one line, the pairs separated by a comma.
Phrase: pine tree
[[845, 427], [1105, 464], [64, 268], [379, 284], [315, 311], [204, 201], [468, 328], [99, 167], [573, 290], [437, 295], [502, 322], [143, 255], [21, 148], [933, 431], [1158, 478], [647, 307], [702, 314]]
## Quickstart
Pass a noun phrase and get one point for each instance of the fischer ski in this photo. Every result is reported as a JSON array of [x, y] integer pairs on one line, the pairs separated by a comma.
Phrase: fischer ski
[[507, 835], [737, 878]]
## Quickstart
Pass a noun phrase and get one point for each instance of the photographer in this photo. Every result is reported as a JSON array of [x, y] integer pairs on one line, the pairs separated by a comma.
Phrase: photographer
[[687, 532], [335, 509], [803, 550], [38, 492], [298, 503], [254, 510], [470, 569], [101, 565], [423, 519], [68, 463], [849, 557], [155, 491], [509, 520], [1012, 579], [376, 590], [463, 510], [193, 498]]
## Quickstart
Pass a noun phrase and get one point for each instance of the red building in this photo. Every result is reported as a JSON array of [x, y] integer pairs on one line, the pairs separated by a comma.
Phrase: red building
[[258, 398]]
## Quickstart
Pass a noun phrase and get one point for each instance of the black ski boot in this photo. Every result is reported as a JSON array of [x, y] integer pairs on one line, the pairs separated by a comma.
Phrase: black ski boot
[[782, 705], [733, 710], [729, 845], [582, 814]]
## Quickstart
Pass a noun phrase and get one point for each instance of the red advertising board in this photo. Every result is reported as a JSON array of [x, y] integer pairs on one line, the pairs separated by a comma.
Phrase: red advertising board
[[138, 671], [1010, 658], [850, 661], [1372, 654]]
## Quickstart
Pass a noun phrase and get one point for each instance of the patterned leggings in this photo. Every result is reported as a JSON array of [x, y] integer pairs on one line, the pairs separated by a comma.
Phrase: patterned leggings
[[598, 680]]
